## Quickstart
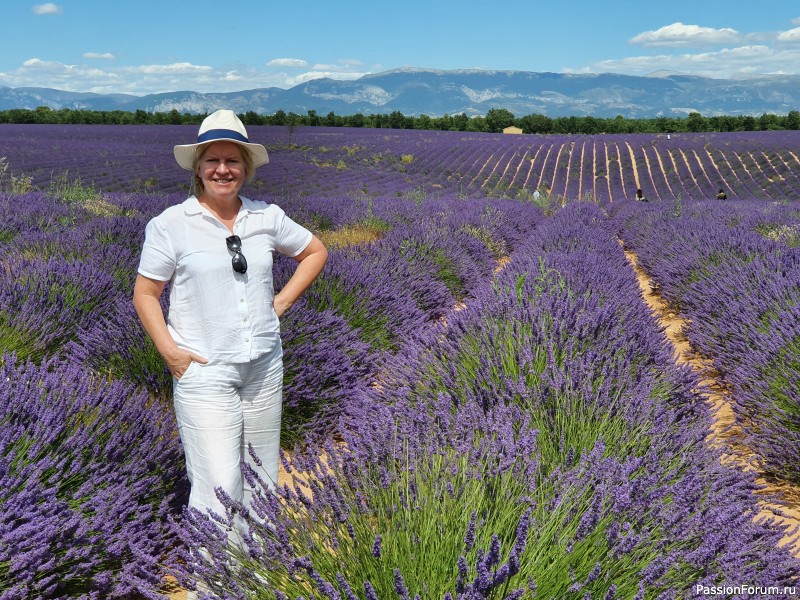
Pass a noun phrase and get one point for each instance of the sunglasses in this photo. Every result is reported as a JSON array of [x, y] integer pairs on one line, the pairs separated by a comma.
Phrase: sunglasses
[[238, 261]]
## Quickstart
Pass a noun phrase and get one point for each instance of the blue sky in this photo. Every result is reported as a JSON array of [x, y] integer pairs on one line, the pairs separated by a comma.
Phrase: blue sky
[[152, 46]]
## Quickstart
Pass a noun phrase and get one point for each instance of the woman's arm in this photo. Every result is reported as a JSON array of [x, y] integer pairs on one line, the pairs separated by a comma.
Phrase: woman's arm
[[146, 295], [311, 261]]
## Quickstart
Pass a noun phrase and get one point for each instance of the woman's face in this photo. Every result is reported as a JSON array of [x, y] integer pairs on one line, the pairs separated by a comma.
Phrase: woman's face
[[222, 170]]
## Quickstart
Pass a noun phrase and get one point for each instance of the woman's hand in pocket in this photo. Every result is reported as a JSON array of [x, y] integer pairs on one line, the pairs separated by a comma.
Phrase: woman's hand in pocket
[[178, 361]]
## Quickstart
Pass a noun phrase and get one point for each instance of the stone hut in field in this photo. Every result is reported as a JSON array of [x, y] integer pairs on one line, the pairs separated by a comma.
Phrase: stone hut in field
[[512, 129]]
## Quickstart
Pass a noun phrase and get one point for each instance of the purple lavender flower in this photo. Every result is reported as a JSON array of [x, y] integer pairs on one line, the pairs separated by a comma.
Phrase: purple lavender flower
[[376, 547]]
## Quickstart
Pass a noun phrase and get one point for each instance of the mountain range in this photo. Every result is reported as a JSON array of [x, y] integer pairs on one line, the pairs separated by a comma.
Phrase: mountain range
[[473, 92]]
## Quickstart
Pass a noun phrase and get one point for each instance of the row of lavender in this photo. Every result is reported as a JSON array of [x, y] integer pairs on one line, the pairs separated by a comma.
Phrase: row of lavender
[[336, 161], [91, 468], [541, 443], [734, 271]]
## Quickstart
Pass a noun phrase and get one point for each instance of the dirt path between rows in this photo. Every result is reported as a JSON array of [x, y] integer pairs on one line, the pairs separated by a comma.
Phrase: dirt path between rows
[[779, 496]]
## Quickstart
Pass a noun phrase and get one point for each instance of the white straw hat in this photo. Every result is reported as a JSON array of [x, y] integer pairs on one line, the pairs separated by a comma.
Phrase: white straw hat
[[222, 125]]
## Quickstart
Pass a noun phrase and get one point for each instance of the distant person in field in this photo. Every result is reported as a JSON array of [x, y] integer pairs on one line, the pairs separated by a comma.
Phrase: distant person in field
[[640, 195], [221, 339], [721, 195]]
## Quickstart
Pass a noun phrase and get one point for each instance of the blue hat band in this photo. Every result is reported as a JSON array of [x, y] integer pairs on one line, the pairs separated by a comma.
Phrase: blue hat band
[[220, 134]]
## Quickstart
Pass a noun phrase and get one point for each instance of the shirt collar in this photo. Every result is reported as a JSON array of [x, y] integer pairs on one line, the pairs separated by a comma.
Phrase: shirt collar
[[192, 206], [249, 205]]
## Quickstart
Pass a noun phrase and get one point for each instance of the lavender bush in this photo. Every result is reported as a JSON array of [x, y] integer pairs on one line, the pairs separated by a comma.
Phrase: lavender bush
[[372, 300], [88, 471]]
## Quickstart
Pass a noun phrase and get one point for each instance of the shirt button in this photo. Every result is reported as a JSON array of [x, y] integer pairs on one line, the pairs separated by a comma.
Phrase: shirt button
[[244, 320], [241, 299]]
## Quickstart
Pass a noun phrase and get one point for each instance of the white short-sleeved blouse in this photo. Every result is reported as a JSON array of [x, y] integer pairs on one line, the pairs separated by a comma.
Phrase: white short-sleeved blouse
[[214, 311]]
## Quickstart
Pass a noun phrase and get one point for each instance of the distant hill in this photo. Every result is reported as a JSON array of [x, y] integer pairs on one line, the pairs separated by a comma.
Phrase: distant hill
[[433, 92]]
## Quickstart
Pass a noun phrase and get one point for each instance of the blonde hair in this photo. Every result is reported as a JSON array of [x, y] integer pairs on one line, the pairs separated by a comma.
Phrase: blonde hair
[[197, 188]]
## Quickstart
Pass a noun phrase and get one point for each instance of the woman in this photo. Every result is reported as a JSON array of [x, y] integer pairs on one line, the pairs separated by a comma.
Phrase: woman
[[221, 339]]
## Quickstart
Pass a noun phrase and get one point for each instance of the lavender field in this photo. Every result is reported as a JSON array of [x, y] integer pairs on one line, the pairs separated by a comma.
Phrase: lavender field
[[319, 161], [478, 404]]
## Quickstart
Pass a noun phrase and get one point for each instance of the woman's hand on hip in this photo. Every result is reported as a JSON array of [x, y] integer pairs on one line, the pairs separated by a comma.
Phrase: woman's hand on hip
[[279, 306]]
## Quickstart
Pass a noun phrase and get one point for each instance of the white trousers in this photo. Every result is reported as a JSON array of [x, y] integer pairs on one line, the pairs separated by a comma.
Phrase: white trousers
[[221, 408]]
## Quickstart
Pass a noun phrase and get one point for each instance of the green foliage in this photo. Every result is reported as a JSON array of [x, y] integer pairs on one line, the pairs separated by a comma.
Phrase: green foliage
[[73, 191], [332, 293], [15, 341], [498, 248], [494, 121], [442, 265], [786, 234], [781, 391], [418, 194], [498, 119], [143, 358], [16, 184], [421, 520]]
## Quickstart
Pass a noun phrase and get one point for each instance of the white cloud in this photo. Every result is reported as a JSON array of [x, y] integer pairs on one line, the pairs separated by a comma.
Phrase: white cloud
[[173, 69], [298, 63], [790, 37], [97, 72], [680, 35], [47, 9], [35, 72], [728, 62], [341, 66]]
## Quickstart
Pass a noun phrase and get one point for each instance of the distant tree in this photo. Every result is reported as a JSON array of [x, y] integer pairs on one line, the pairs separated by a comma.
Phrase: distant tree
[[536, 123], [477, 124], [379, 121], [695, 122], [279, 118], [590, 125], [356, 120], [565, 125], [460, 122], [251, 118], [768, 122], [793, 120], [444, 123], [396, 120], [423, 122], [331, 120], [498, 119], [615, 125], [175, 117], [42, 114], [748, 123]]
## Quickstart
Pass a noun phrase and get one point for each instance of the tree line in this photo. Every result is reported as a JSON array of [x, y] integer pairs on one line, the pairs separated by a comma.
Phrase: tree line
[[494, 121]]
